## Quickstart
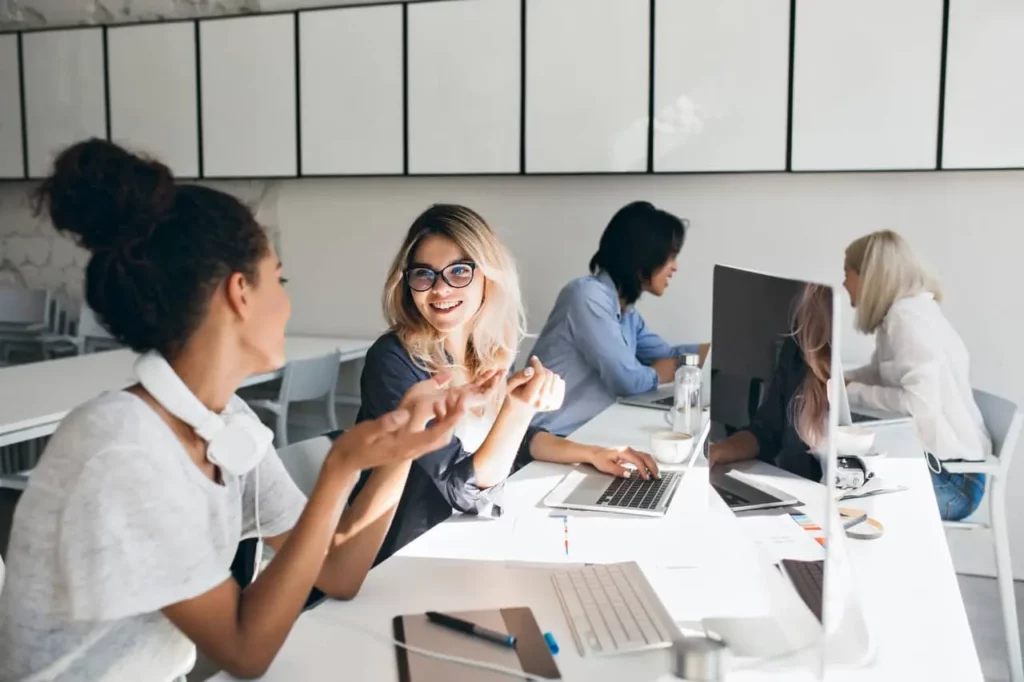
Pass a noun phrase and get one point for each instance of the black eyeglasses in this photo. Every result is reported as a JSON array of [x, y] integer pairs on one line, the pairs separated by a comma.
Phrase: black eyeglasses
[[456, 275]]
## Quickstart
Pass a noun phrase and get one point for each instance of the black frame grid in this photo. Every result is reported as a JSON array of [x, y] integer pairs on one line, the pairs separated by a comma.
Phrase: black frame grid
[[652, 70]]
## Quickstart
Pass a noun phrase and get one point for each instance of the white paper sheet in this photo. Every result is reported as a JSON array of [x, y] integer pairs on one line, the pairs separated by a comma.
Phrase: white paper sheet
[[541, 539], [780, 537]]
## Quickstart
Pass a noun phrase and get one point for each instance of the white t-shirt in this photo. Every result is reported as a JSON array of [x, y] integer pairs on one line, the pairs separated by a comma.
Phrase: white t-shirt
[[117, 523]]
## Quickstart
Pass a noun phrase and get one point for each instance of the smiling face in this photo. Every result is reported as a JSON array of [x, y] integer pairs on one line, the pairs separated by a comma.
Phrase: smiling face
[[445, 307]]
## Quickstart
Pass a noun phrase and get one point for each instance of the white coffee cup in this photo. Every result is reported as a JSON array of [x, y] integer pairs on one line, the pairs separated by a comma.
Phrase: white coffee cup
[[671, 447]]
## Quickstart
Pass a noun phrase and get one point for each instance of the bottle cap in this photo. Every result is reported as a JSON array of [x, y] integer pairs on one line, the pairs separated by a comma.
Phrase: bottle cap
[[691, 360]]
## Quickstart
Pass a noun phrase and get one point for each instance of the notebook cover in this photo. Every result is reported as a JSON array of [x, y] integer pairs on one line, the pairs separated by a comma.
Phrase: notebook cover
[[531, 654]]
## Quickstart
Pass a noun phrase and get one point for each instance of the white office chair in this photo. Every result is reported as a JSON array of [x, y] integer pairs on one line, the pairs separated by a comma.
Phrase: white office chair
[[304, 380], [25, 315], [1004, 420], [303, 461]]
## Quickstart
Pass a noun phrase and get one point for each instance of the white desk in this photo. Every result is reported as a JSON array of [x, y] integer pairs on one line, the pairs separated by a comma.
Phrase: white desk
[[909, 592], [35, 397]]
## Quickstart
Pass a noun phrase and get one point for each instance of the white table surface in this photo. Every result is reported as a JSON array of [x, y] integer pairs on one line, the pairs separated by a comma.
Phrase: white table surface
[[908, 590], [35, 397]]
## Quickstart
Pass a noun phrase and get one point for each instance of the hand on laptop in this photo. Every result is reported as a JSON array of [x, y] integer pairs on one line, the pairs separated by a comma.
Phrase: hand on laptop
[[613, 460]]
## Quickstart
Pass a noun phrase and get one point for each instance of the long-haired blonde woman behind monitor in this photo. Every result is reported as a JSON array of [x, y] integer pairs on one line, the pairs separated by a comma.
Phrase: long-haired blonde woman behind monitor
[[789, 426], [920, 366], [453, 306]]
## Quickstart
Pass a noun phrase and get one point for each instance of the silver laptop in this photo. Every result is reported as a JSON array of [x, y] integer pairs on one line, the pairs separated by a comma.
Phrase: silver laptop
[[863, 416], [747, 495], [659, 399], [590, 490], [664, 396]]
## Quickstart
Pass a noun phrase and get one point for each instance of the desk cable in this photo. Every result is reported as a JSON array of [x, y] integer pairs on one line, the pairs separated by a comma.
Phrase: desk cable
[[468, 662]]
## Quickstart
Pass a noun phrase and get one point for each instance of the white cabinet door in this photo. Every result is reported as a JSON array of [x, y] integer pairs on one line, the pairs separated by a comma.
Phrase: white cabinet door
[[464, 86], [153, 107], [351, 91], [64, 92], [247, 81], [866, 84], [721, 84], [587, 74], [984, 117], [11, 154]]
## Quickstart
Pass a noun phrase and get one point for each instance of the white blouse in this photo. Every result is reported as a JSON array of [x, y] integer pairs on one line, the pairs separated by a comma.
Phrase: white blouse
[[920, 367]]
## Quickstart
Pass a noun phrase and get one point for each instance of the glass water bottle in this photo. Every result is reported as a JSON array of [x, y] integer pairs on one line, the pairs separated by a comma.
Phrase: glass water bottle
[[686, 410]]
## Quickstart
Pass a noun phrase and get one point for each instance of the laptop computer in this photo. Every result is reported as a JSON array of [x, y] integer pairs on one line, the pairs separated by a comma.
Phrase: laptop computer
[[747, 495], [592, 490], [664, 396]]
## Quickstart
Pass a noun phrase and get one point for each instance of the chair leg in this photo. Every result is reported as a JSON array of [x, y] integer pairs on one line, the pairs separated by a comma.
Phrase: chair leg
[[281, 428], [1004, 576], [332, 412]]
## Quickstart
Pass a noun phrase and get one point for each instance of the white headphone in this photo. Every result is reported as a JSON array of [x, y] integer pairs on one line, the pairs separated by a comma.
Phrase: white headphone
[[235, 442]]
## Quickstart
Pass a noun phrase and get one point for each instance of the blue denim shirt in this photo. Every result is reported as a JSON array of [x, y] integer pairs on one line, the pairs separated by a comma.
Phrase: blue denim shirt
[[600, 352]]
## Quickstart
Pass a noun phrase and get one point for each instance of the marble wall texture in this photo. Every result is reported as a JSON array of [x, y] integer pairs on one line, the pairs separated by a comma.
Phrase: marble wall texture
[[32, 13], [34, 255]]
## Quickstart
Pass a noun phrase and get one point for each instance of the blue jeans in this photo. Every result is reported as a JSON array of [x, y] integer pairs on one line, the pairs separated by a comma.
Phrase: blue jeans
[[958, 495]]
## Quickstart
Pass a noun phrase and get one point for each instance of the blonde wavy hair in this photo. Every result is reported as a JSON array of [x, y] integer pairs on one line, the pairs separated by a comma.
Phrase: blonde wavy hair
[[497, 328], [888, 272], [813, 334]]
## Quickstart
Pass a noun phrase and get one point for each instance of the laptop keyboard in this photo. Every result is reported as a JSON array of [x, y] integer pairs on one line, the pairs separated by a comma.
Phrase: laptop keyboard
[[667, 402], [636, 493], [809, 579], [611, 609], [861, 418], [731, 499]]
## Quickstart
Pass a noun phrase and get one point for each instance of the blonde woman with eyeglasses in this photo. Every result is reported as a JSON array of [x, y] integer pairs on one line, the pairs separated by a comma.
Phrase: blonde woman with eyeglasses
[[920, 366], [453, 306]]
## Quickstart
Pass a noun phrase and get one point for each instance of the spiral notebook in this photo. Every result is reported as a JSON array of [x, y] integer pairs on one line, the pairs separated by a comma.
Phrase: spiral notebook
[[531, 654]]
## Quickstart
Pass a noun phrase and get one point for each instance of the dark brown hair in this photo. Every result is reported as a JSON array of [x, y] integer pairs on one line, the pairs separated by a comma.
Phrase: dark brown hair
[[159, 250], [639, 239]]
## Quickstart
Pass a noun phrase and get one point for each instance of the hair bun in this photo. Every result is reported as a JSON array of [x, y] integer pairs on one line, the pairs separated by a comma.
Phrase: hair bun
[[104, 194]]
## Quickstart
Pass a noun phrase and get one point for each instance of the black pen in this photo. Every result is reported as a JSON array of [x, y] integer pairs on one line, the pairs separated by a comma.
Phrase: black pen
[[471, 629]]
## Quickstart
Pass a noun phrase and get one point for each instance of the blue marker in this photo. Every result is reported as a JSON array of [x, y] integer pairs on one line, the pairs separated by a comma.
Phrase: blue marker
[[552, 644]]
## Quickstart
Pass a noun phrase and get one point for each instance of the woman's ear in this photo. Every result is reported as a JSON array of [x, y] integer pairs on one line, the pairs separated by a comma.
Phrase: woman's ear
[[237, 291]]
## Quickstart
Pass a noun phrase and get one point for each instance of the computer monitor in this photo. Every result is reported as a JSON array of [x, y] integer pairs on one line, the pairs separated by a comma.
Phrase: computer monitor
[[754, 323]]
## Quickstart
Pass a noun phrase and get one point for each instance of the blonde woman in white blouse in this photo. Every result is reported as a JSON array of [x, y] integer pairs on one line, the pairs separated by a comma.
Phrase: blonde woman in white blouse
[[920, 366]]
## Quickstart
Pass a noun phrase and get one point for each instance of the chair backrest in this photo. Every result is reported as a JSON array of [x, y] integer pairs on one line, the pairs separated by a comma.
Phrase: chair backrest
[[24, 306], [310, 378], [88, 326], [303, 461], [1004, 421]]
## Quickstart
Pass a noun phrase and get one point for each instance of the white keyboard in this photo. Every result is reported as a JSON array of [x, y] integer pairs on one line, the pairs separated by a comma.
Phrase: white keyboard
[[612, 609]]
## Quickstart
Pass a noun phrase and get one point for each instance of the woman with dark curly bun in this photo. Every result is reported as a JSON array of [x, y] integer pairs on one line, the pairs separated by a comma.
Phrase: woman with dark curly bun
[[121, 546]]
